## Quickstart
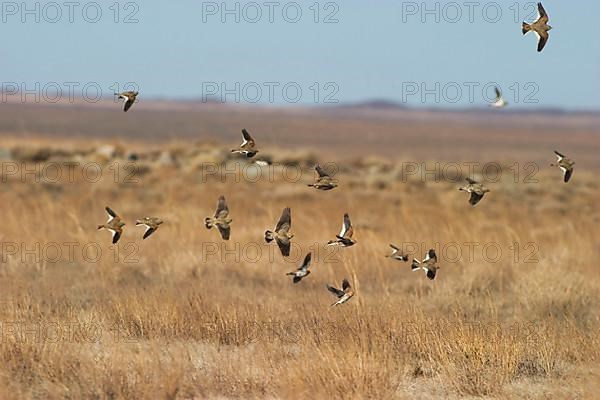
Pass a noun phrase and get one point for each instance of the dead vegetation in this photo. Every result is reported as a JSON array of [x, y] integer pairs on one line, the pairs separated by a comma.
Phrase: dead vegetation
[[185, 315]]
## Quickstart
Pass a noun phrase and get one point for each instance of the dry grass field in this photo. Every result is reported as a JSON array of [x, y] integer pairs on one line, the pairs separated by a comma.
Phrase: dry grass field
[[513, 312]]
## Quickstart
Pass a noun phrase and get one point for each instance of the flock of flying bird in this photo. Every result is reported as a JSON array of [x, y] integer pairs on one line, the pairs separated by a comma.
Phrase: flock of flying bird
[[324, 181]]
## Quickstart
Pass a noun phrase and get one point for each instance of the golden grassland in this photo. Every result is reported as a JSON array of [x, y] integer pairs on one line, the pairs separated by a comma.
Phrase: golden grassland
[[183, 315]]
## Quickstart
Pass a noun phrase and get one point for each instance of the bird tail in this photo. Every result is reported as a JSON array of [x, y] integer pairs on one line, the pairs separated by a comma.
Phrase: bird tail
[[269, 236], [526, 27], [290, 273], [208, 222], [100, 226]]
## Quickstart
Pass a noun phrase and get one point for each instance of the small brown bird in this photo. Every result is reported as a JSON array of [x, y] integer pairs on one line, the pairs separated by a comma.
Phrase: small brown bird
[[344, 294], [540, 27], [248, 146], [114, 224], [429, 264], [397, 254], [282, 235], [324, 181], [344, 239], [302, 271], [221, 219], [129, 98], [476, 189], [565, 164], [151, 224]]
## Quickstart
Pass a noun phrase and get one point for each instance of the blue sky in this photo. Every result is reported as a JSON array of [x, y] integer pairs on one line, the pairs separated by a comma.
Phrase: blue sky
[[382, 49]]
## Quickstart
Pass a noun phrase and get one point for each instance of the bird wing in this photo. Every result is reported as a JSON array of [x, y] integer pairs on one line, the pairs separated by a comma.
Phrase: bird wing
[[346, 285], [542, 15], [430, 256], [559, 156], [321, 172], [543, 39], [128, 103], [471, 181], [430, 273], [149, 231], [475, 198], [348, 231], [225, 231], [285, 221], [339, 293], [284, 246], [568, 174], [116, 235], [306, 262], [498, 94], [222, 209], [111, 214], [394, 247], [248, 141]]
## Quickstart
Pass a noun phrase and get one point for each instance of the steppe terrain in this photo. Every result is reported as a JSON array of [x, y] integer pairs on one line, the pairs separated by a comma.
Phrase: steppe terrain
[[513, 312]]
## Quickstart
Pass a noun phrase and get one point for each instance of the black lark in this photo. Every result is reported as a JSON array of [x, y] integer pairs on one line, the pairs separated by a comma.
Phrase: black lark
[[540, 27], [221, 219], [282, 235], [114, 224]]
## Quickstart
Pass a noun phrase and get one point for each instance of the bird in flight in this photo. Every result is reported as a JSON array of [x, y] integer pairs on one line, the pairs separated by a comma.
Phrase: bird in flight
[[302, 271], [499, 102], [114, 224], [476, 189], [397, 254], [281, 234], [565, 164], [248, 146], [221, 219], [129, 98], [540, 27], [151, 224], [429, 264], [344, 294], [324, 181], [344, 239]]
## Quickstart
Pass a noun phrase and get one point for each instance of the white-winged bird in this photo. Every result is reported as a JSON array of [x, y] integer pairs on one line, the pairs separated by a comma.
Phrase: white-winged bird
[[429, 264], [344, 294], [302, 270], [151, 224], [565, 164], [114, 224], [344, 239], [540, 27]]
